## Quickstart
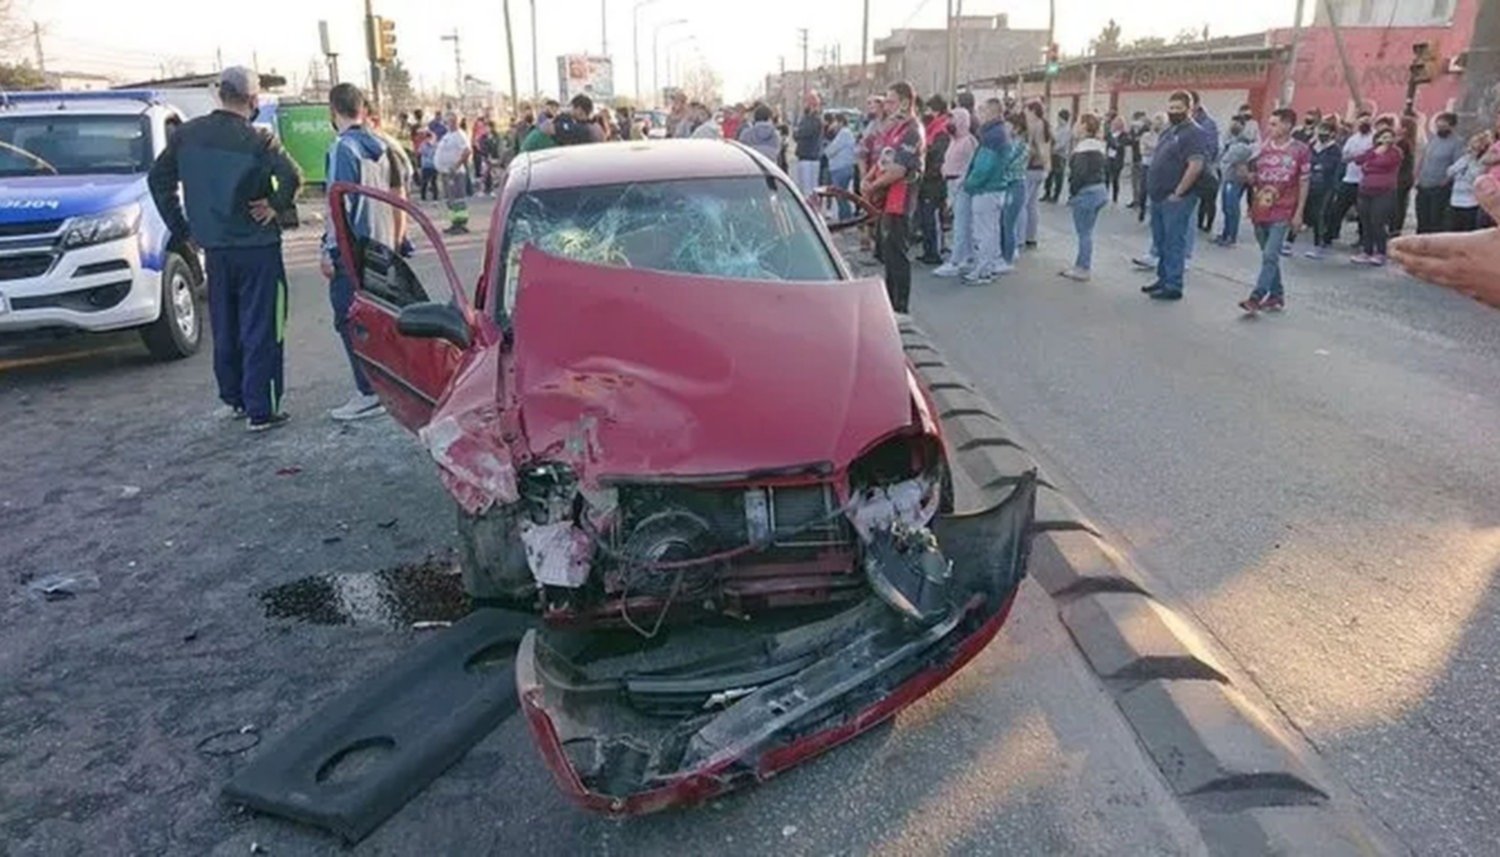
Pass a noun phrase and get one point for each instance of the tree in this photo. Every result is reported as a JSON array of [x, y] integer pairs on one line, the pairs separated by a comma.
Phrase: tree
[[1187, 37], [20, 76], [15, 38], [1147, 43], [702, 83], [397, 82], [1107, 42]]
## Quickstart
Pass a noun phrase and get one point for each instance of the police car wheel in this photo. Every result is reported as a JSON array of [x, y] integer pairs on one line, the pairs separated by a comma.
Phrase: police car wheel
[[177, 332]]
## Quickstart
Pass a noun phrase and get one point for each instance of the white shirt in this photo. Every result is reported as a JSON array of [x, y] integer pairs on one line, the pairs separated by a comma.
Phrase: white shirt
[[1356, 145], [450, 151]]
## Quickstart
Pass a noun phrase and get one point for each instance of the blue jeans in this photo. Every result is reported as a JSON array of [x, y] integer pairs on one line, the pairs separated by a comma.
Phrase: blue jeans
[[1270, 237], [1230, 198], [341, 296], [1010, 220], [1171, 221], [1086, 204], [843, 179]]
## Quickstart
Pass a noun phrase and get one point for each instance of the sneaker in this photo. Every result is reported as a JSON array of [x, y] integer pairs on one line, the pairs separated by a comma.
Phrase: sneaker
[[1002, 269], [1273, 303], [1286, 249], [358, 407], [1315, 253], [978, 278], [1164, 294], [930, 260], [457, 229], [1361, 259], [1076, 274], [1145, 263], [229, 412], [948, 269], [1030, 245], [1152, 289], [1250, 305], [1377, 261], [273, 421]]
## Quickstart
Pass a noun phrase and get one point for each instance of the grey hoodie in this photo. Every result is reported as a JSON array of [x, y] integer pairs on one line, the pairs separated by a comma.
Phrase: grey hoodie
[[764, 138]]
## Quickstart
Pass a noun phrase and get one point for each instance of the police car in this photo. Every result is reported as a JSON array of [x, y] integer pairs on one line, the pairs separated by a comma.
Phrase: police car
[[82, 247]]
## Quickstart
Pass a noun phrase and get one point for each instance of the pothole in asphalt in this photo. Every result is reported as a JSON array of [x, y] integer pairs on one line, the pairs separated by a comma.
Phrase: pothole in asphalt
[[413, 594]]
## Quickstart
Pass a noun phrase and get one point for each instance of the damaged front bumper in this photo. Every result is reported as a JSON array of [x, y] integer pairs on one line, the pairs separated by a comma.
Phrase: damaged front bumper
[[642, 727]]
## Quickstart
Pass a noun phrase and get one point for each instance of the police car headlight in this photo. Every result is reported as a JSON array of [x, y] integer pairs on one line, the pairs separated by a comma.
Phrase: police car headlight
[[107, 226]]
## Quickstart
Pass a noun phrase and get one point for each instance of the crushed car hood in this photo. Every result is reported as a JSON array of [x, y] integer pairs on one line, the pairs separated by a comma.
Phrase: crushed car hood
[[630, 373]]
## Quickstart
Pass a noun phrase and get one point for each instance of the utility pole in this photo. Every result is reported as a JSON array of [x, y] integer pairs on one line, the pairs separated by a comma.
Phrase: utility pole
[[802, 35], [948, 71], [458, 65], [36, 37], [510, 56], [1338, 44], [373, 51], [536, 77], [1480, 97], [603, 30], [958, 49], [218, 59], [1051, 37], [864, 50], [1288, 77], [635, 45]]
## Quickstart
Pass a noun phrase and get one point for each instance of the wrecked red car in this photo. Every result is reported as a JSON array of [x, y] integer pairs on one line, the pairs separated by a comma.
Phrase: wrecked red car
[[677, 427]]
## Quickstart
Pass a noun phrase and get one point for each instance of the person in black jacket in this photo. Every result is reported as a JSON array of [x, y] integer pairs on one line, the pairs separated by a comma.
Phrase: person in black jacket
[[809, 140], [236, 182], [1088, 191], [1322, 189], [932, 193]]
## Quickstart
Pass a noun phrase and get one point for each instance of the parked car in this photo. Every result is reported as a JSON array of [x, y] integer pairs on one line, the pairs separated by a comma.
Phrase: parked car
[[677, 427]]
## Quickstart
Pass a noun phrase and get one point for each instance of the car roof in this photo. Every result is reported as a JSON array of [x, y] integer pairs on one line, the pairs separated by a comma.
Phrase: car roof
[[638, 161], [63, 107]]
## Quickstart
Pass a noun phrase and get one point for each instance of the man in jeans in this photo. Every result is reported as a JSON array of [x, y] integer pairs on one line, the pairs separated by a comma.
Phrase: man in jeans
[[1062, 147], [1434, 186], [896, 183], [1176, 165], [808, 136], [1279, 177]]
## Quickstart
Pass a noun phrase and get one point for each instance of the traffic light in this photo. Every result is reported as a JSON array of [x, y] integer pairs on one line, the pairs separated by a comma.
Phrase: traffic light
[[384, 39], [1424, 63], [1052, 66]]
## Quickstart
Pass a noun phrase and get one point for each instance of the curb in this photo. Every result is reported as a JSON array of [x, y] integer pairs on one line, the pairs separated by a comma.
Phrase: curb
[[1238, 775]]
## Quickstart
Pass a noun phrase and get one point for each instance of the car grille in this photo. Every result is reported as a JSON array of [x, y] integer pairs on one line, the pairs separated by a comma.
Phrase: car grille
[[24, 265], [35, 227], [803, 516]]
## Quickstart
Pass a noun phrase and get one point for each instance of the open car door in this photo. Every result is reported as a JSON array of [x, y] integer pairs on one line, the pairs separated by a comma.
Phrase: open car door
[[410, 322]]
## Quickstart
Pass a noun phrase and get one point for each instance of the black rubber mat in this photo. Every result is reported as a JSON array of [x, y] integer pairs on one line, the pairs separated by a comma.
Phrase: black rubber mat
[[354, 763]]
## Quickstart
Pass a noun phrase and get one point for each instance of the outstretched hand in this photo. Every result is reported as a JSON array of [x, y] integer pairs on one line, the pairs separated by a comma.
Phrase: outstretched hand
[[1468, 261]]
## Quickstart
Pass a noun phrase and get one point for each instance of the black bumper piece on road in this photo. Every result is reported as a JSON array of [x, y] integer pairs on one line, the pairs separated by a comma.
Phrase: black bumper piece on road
[[403, 727]]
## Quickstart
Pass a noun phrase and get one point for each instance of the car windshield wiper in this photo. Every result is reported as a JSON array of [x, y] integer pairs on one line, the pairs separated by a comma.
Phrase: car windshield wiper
[[36, 159]]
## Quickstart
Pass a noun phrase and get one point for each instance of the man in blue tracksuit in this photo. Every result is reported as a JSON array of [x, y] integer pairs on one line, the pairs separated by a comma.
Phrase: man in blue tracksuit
[[358, 156], [236, 181]]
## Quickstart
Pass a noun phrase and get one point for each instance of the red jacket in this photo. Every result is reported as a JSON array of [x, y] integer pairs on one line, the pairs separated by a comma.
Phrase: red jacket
[[1380, 169]]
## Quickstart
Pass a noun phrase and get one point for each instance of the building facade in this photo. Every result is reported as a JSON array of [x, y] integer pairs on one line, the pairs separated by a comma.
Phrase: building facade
[[986, 46]]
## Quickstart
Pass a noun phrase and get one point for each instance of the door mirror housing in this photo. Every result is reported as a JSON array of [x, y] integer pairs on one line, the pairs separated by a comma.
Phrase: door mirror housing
[[432, 320]]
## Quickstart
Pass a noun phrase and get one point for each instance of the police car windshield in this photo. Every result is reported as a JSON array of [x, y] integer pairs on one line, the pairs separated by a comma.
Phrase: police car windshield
[[73, 144]]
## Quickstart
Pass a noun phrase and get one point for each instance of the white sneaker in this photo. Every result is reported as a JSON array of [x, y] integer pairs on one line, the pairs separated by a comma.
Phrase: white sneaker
[[978, 278], [1076, 274], [947, 269], [1003, 268], [1145, 263], [228, 412], [358, 407]]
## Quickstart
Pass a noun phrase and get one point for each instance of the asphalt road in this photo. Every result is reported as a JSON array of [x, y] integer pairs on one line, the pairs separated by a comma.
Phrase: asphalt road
[[1320, 488], [246, 580]]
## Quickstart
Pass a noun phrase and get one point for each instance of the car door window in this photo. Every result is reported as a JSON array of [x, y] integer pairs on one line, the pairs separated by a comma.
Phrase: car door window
[[398, 263]]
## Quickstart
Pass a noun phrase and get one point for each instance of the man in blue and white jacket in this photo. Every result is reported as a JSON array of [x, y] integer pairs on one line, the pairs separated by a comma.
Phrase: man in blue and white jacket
[[359, 156]]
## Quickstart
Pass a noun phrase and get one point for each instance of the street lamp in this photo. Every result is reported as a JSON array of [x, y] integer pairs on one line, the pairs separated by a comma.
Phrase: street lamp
[[655, 43], [672, 45], [536, 78], [635, 42]]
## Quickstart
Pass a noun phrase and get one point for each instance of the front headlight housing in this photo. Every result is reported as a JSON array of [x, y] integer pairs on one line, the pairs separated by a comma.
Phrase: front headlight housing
[[110, 225]]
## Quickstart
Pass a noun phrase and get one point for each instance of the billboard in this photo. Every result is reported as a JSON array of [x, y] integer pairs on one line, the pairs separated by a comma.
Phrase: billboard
[[582, 74]]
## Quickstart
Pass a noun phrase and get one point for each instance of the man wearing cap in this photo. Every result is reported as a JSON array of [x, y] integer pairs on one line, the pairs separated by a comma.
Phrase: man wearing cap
[[236, 180]]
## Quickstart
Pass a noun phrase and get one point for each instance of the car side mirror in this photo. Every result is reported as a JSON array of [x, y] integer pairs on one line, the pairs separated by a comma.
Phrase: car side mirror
[[432, 320], [864, 212]]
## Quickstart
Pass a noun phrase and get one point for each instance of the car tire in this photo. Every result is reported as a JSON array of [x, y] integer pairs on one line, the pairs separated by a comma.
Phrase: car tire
[[178, 330], [492, 559]]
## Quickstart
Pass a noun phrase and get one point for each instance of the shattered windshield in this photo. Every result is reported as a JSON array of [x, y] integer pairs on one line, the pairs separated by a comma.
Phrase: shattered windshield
[[748, 228], [73, 144]]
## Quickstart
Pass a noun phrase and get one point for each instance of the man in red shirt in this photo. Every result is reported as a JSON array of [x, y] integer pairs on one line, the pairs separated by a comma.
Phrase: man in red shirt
[[1279, 174], [894, 181]]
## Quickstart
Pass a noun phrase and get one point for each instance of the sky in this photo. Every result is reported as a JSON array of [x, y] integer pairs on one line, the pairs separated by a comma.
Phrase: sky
[[742, 41]]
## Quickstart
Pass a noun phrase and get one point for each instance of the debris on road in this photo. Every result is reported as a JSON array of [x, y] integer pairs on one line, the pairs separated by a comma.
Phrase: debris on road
[[290, 470], [230, 742], [57, 587]]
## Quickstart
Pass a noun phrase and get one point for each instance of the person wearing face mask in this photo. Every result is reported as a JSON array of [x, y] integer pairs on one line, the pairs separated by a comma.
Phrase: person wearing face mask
[[236, 183], [1434, 185], [1348, 191], [1379, 172], [1323, 183], [1176, 165]]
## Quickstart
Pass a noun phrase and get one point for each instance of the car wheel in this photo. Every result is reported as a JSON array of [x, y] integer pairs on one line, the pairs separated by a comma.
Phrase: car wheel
[[492, 559], [177, 332]]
